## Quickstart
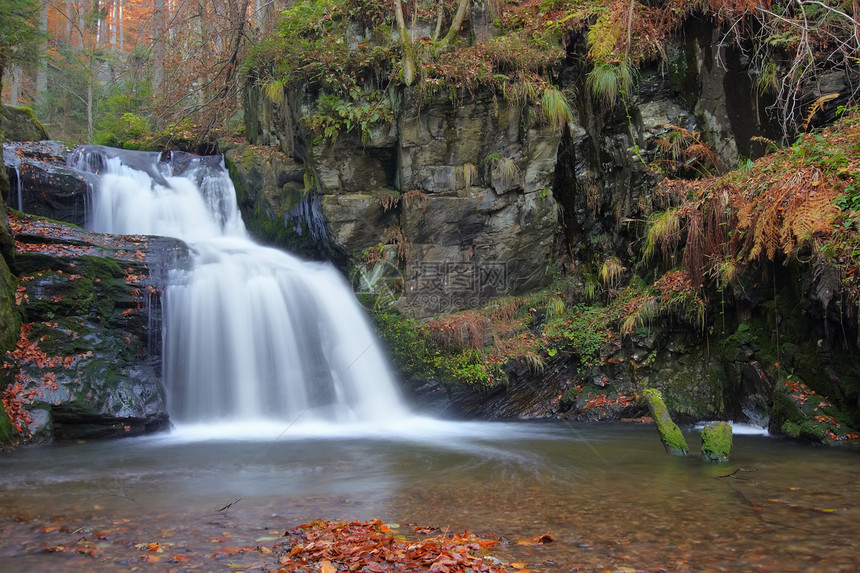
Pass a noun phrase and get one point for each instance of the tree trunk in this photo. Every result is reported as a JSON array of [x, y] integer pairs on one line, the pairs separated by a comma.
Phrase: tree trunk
[[440, 15], [113, 18], [205, 52], [406, 42], [856, 11], [79, 36], [458, 21], [260, 9], [42, 71], [158, 45], [90, 105], [70, 15], [15, 83], [121, 11]]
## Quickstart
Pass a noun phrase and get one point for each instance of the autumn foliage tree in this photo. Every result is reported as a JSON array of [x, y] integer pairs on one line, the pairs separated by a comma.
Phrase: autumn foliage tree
[[116, 66], [19, 33]]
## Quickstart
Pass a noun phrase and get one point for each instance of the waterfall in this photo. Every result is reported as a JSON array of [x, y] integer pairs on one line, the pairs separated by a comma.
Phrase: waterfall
[[11, 158], [250, 333]]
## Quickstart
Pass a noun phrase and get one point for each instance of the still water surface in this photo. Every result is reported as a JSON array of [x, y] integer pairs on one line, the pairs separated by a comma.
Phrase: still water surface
[[608, 494]]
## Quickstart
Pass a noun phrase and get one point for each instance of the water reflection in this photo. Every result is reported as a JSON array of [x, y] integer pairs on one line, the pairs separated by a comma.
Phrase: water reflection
[[608, 494]]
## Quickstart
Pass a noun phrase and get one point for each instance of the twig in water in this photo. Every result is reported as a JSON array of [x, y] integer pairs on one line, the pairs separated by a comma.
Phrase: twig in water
[[733, 476], [228, 506]]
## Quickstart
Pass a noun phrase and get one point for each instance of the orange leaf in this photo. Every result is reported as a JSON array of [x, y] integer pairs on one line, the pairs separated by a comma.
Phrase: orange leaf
[[327, 567]]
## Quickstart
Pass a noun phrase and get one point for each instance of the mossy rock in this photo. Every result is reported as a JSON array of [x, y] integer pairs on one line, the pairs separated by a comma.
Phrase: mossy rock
[[670, 433], [801, 413], [717, 442], [10, 319], [21, 124], [8, 434]]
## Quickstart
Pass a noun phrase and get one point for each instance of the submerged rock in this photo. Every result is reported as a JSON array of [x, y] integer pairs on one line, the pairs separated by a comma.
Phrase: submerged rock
[[670, 433], [717, 442]]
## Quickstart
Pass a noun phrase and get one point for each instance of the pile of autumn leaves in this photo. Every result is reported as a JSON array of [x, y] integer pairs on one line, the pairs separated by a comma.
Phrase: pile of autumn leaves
[[331, 547]]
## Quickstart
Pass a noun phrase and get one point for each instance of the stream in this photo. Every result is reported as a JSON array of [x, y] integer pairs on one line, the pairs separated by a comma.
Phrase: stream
[[608, 494]]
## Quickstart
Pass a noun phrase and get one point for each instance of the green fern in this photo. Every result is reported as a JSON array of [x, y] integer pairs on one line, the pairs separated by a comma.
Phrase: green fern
[[610, 271], [555, 108], [507, 172], [664, 227], [554, 308], [276, 91], [607, 79]]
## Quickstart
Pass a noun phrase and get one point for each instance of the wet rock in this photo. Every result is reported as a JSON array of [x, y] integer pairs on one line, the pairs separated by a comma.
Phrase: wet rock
[[271, 192], [41, 184], [717, 442], [88, 357]]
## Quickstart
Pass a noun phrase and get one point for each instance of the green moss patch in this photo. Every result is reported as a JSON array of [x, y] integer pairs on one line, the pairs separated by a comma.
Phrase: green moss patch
[[717, 442], [670, 433]]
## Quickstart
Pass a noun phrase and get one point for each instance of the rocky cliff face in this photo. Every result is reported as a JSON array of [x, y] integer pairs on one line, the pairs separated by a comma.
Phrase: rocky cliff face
[[477, 193], [461, 195], [452, 197]]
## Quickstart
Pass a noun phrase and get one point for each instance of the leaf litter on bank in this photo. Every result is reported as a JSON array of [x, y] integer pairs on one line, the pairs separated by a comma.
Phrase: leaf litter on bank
[[324, 546], [371, 546]]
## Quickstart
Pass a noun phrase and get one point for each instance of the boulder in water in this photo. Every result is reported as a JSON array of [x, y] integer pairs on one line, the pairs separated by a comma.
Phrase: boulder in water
[[717, 442]]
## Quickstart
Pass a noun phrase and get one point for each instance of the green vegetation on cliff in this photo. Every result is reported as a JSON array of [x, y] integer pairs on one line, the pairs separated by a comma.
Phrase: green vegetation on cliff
[[348, 54], [800, 203]]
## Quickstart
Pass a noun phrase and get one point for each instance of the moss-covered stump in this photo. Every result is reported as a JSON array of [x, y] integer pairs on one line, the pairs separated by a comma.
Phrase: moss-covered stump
[[87, 359], [670, 433], [717, 442]]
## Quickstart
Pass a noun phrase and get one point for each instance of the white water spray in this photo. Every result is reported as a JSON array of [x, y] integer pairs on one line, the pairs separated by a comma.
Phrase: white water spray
[[250, 333]]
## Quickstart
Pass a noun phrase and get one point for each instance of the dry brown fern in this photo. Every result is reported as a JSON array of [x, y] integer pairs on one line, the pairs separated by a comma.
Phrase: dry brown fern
[[413, 196], [394, 236], [468, 329], [388, 200]]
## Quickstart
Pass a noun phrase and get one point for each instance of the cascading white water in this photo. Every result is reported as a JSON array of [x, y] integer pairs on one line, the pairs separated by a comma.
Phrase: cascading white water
[[250, 332]]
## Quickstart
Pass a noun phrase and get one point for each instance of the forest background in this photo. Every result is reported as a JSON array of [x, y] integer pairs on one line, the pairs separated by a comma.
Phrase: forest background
[[111, 71]]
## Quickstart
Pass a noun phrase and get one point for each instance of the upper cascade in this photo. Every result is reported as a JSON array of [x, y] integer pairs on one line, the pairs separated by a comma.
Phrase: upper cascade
[[250, 333]]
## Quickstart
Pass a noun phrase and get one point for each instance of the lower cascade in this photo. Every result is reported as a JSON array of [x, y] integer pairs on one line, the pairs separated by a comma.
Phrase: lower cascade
[[250, 333]]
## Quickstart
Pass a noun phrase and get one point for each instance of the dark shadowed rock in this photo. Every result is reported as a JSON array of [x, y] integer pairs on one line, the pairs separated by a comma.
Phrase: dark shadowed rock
[[41, 184]]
